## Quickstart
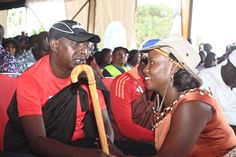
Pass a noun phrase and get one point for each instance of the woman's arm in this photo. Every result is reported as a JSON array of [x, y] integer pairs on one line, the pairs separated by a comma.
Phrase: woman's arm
[[188, 120]]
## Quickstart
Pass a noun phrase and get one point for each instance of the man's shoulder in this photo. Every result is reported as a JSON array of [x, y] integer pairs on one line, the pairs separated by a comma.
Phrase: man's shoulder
[[108, 66], [123, 78], [123, 82], [38, 70]]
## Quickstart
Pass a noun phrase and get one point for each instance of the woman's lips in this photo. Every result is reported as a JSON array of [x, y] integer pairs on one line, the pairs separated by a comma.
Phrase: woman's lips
[[147, 78]]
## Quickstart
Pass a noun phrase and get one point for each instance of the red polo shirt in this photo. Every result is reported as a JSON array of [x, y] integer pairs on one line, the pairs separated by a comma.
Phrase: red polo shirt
[[38, 84]]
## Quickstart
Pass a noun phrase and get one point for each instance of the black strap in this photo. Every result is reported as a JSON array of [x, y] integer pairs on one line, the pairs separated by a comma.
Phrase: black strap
[[59, 114]]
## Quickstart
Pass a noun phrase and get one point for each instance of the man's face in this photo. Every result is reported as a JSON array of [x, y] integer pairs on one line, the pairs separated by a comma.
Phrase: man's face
[[119, 58], [136, 59], [69, 53]]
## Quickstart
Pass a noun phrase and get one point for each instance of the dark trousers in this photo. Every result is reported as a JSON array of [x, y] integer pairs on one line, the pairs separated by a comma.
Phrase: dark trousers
[[12, 154], [85, 143], [136, 148]]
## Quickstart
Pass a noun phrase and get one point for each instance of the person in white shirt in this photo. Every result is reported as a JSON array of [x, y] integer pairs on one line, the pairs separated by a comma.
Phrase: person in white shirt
[[220, 80]]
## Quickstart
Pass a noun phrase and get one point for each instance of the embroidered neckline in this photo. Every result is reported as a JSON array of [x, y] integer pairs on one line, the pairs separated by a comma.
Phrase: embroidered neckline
[[160, 117]]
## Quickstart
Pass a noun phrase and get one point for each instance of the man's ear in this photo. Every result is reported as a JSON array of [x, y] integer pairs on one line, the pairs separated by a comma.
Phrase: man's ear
[[53, 45]]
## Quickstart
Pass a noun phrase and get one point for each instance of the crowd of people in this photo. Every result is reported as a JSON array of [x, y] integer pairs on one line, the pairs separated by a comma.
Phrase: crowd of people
[[23, 52], [164, 100]]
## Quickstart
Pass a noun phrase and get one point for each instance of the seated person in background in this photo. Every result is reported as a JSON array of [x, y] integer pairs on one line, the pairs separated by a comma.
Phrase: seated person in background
[[207, 48], [46, 118], [189, 122], [133, 59], [7, 60], [221, 82], [24, 57], [202, 55], [210, 60], [42, 47], [117, 66], [12, 46], [92, 61], [103, 58], [228, 50], [132, 111]]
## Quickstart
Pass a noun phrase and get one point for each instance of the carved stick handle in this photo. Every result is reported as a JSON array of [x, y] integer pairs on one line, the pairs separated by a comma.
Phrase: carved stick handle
[[96, 104]]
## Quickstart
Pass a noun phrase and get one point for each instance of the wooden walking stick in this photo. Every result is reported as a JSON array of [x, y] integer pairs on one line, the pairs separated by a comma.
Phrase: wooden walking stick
[[96, 104]]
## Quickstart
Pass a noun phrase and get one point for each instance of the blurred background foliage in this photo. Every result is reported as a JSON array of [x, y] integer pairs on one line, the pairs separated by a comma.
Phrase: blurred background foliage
[[153, 21]]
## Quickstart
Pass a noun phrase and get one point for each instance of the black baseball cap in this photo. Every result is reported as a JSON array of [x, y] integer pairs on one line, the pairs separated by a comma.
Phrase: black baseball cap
[[71, 30]]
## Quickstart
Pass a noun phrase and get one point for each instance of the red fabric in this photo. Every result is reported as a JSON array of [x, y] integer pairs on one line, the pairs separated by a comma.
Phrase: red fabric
[[38, 84], [123, 92], [8, 86], [107, 81]]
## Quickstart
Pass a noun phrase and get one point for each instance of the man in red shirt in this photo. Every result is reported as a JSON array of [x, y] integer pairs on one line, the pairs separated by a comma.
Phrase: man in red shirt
[[132, 137], [50, 118]]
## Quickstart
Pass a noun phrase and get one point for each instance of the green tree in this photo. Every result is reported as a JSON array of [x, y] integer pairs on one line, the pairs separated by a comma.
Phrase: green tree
[[16, 22], [153, 21]]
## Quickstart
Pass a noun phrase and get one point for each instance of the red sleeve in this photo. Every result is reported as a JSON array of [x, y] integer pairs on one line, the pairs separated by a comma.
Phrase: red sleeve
[[28, 97], [122, 95]]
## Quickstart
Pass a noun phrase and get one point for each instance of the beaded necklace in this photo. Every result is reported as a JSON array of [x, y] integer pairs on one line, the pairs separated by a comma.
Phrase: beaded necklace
[[159, 117]]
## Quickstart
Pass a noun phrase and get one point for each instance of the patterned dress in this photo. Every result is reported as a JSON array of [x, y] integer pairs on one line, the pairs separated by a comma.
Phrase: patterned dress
[[25, 60], [7, 62]]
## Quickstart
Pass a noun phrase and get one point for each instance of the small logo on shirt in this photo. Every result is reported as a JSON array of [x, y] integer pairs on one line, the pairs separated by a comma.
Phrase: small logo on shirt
[[139, 89]]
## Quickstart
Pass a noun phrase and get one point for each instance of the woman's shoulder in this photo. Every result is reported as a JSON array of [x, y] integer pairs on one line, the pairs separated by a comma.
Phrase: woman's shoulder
[[195, 101], [197, 95]]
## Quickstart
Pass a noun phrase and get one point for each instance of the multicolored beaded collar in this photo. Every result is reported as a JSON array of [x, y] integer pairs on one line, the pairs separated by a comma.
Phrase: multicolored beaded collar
[[159, 117]]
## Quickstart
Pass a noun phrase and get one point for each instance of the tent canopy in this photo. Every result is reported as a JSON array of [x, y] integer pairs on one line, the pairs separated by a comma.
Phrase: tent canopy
[[98, 16], [95, 15]]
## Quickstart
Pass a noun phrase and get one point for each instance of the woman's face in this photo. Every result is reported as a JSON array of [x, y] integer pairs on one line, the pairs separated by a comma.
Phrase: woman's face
[[11, 48], [157, 71], [107, 58]]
